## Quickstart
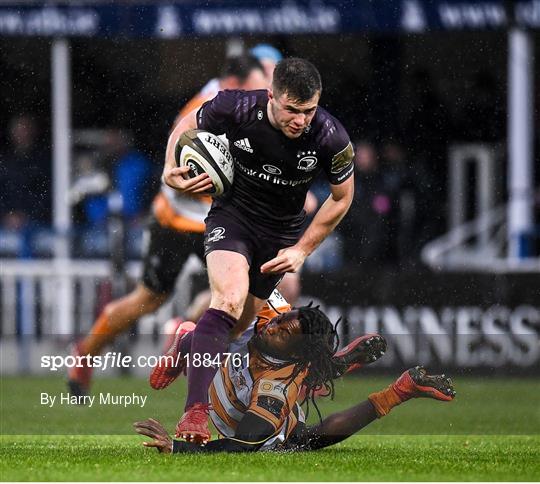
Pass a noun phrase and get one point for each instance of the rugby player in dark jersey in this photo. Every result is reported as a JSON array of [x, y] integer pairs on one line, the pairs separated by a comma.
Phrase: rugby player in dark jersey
[[280, 140]]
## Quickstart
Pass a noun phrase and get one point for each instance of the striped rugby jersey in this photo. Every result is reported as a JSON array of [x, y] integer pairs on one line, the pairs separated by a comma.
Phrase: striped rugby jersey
[[255, 385]]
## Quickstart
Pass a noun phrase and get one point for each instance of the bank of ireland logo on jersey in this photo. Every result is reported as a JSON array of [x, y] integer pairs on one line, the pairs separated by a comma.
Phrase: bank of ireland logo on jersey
[[307, 161], [273, 170], [244, 144], [216, 234]]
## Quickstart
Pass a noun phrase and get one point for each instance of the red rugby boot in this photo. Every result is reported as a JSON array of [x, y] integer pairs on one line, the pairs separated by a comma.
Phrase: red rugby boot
[[172, 363], [416, 383], [360, 352], [193, 426], [79, 377]]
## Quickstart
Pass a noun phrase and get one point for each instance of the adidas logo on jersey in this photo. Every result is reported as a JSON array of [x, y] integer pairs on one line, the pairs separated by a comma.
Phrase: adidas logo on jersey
[[243, 144]]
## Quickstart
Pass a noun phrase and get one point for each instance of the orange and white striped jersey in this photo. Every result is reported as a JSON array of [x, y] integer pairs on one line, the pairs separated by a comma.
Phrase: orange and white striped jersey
[[178, 211], [258, 384]]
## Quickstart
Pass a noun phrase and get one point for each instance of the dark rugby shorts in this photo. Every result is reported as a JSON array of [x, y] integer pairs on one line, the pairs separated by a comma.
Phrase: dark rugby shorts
[[165, 253], [227, 230]]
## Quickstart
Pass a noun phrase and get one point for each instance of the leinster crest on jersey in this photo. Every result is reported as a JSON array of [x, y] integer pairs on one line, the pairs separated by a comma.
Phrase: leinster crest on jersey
[[307, 160], [216, 234]]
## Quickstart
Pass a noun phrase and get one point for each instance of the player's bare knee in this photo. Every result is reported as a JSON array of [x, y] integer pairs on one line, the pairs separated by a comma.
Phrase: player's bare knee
[[233, 309], [231, 304]]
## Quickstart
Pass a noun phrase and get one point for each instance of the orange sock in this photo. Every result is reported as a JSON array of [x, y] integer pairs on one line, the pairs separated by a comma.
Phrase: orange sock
[[384, 401], [100, 334]]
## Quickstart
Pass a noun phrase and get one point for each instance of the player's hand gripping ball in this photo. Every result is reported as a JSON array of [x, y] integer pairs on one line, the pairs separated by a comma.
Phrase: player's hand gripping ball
[[204, 152]]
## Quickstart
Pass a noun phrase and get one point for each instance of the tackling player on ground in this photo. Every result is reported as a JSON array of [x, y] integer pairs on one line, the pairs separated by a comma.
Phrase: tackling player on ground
[[255, 404], [280, 140]]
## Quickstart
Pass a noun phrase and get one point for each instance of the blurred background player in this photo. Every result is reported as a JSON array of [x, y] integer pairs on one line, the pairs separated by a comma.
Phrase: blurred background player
[[175, 231], [240, 72], [254, 405], [269, 56]]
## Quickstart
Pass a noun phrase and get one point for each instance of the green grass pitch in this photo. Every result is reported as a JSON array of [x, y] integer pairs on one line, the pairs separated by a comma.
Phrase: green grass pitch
[[490, 432]]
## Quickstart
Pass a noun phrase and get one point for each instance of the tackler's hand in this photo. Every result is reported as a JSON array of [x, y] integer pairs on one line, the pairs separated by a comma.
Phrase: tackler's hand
[[287, 260], [178, 179], [153, 429]]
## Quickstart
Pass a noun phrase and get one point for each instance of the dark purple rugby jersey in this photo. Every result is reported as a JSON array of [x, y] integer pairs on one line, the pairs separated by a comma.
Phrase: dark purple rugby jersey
[[272, 172]]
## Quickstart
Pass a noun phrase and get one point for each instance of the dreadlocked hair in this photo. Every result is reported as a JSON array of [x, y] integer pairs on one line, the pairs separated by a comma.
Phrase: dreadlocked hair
[[319, 344]]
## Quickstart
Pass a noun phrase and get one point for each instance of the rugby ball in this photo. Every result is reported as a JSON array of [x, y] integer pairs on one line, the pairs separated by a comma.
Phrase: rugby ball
[[205, 152]]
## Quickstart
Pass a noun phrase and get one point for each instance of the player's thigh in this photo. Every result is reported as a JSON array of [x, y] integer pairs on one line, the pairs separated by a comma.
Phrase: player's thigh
[[228, 274], [229, 250], [165, 253]]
